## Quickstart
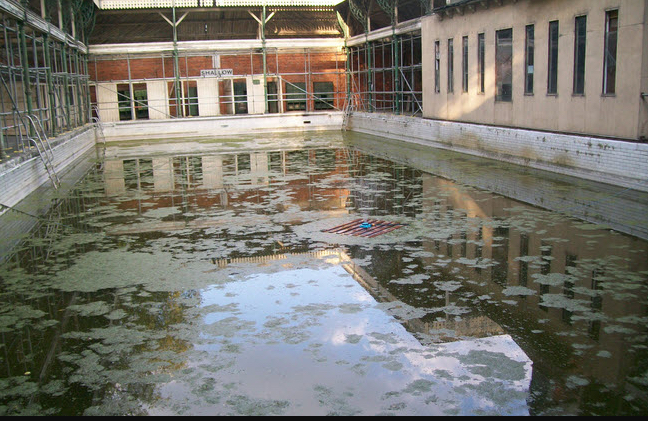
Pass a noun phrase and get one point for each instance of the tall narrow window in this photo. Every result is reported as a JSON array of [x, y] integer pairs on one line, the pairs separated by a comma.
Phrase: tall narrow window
[[529, 56], [295, 97], [552, 73], [481, 61], [124, 98], [240, 98], [273, 97], [437, 67], [190, 98], [140, 98], [323, 94], [450, 65], [580, 31], [504, 65], [464, 65], [609, 58]]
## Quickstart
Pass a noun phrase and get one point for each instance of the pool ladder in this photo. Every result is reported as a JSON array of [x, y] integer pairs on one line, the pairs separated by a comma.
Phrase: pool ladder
[[99, 125], [348, 109], [44, 148]]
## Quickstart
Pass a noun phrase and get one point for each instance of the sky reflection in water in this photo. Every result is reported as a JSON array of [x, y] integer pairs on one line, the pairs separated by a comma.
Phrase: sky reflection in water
[[313, 340]]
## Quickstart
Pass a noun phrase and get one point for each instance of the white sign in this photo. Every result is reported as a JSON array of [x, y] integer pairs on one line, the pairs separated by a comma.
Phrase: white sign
[[217, 73]]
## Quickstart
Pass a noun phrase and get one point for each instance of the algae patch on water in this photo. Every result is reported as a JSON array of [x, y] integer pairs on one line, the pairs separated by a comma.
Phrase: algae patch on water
[[95, 271]]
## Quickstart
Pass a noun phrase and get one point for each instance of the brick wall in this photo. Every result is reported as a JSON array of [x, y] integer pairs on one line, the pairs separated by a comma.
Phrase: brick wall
[[313, 63], [301, 66]]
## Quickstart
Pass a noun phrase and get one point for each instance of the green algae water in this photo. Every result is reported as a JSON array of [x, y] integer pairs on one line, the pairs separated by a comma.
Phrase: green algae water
[[197, 278]]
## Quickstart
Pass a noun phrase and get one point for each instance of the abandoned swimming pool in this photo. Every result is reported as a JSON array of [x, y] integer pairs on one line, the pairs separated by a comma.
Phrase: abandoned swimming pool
[[204, 278]]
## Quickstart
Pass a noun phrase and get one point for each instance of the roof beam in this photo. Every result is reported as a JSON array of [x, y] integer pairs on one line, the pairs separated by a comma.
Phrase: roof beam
[[169, 20]]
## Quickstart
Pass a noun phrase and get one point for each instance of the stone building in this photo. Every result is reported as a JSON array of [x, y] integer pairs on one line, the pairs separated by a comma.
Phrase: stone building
[[570, 67]]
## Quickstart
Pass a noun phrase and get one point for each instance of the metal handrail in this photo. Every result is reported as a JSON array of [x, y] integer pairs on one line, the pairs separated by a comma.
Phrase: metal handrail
[[42, 147], [45, 142], [98, 124]]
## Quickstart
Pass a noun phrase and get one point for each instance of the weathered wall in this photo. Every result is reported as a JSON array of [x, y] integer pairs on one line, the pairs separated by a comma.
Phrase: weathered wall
[[21, 176], [592, 113], [222, 126], [615, 162]]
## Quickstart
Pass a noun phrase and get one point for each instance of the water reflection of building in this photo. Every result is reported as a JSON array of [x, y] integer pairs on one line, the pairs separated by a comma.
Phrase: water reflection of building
[[210, 177], [553, 283], [563, 282]]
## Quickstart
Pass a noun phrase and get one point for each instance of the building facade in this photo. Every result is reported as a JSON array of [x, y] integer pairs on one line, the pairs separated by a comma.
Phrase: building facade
[[577, 67], [216, 78], [199, 58]]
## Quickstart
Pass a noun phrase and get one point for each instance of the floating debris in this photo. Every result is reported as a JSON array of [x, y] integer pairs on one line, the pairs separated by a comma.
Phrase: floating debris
[[365, 228]]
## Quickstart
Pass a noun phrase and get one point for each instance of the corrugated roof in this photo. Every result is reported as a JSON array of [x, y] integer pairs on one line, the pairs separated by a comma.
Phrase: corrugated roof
[[158, 4]]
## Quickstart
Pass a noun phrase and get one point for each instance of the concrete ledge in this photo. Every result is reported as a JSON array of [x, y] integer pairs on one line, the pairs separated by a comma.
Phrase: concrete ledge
[[608, 161], [221, 126], [24, 174], [622, 209]]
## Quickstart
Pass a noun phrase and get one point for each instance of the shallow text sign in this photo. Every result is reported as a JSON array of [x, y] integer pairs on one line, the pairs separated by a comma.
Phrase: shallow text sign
[[216, 73]]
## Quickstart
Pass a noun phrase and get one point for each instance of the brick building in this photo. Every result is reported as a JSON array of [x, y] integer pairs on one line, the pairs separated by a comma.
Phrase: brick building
[[152, 61]]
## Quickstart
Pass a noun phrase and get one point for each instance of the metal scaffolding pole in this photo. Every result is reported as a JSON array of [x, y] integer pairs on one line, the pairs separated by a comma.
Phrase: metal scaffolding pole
[[25, 67], [176, 65], [66, 82], [397, 94], [265, 61], [345, 32], [88, 106], [50, 85]]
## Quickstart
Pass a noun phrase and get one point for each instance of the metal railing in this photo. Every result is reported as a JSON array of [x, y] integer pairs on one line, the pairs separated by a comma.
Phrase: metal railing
[[43, 146]]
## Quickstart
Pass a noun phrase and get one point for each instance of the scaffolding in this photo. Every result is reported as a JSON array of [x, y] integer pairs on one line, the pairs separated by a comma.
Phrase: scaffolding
[[43, 68], [267, 80], [385, 63], [386, 74]]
